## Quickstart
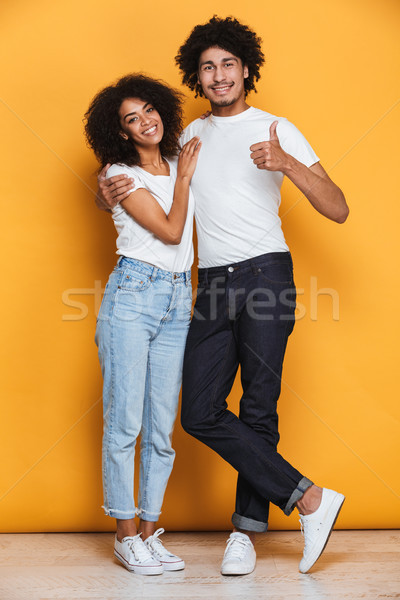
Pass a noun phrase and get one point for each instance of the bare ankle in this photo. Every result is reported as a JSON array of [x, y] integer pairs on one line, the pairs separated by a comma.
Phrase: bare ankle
[[125, 527], [146, 528], [310, 500]]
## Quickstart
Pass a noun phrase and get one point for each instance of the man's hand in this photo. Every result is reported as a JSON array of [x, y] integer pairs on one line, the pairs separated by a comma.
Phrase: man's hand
[[313, 181], [111, 191], [205, 115], [269, 155]]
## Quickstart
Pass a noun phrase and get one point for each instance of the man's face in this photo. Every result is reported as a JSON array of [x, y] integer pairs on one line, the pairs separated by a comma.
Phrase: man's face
[[221, 76]]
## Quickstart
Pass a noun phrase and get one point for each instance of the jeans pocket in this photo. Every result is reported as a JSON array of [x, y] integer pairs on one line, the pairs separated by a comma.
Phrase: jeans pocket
[[107, 300], [134, 281], [281, 273]]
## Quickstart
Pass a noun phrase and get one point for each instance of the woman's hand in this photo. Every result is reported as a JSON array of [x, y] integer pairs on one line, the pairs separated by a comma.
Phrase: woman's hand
[[188, 158], [146, 211]]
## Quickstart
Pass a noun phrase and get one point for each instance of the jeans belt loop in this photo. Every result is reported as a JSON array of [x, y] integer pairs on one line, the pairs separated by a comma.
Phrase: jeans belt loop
[[154, 274]]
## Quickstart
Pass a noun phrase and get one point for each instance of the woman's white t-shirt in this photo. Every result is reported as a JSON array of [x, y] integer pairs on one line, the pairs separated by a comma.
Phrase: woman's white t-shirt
[[134, 241]]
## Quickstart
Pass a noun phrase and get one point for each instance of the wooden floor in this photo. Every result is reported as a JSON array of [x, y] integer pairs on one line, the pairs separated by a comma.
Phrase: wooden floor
[[355, 564]]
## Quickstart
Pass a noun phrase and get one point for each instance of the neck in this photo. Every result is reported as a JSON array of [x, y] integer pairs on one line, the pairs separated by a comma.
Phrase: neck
[[150, 156], [229, 111]]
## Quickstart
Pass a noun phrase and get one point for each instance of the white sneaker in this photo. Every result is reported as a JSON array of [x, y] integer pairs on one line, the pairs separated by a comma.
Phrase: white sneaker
[[169, 561], [136, 557], [318, 526], [240, 556]]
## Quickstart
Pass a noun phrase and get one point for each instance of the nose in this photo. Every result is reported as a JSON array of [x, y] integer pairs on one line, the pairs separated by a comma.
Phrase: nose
[[218, 74]]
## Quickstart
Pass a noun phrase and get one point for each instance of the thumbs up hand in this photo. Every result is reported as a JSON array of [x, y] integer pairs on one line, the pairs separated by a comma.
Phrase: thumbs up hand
[[269, 155], [273, 136]]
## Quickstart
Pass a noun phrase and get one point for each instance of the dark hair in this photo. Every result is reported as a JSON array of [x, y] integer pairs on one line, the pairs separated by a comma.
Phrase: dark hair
[[229, 35], [102, 122]]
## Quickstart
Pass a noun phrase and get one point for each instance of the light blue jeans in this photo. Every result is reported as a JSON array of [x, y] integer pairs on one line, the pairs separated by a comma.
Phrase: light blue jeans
[[141, 334]]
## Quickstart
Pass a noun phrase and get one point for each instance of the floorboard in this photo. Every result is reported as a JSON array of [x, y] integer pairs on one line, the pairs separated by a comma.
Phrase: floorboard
[[78, 566]]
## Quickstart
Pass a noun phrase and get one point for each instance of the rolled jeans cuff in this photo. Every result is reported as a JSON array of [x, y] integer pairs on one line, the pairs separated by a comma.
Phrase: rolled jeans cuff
[[301, 487], [146, 515], [115, 513], [248, 524]]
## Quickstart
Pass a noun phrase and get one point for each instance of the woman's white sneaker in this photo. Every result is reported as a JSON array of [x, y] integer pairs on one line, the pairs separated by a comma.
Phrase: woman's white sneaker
[[136, 557], [318, 526], [240, 556], [169, 561]]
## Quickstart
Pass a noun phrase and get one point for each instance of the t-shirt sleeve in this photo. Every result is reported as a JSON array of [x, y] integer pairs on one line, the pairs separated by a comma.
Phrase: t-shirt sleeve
[[294, 143], [194, 128], [118, 169], [182, 139]]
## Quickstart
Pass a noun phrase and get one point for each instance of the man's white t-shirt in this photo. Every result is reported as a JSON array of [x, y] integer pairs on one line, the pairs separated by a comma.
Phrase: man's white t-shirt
[[236, 204], [134, 241]]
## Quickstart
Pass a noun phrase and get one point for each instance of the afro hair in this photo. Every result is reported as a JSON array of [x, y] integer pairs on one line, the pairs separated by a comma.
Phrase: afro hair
[[229, 35], [102, 125]]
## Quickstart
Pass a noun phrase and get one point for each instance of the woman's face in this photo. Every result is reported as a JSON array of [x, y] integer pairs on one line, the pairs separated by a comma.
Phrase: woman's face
[[140, 122]]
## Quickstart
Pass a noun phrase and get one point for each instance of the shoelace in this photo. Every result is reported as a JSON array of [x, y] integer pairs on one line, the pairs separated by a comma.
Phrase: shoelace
[[236, 547], [154, 542], [139, 549], [306, 530]]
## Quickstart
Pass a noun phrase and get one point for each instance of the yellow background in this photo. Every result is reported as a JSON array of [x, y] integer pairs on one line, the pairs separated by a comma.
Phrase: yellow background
[[332, 68]]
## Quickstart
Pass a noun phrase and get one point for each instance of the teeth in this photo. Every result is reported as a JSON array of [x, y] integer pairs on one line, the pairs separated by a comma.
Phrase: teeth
[[150, 130]]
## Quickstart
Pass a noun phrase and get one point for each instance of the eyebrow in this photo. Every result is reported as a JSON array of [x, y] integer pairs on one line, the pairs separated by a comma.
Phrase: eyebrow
[[211, 62], [134, 113]]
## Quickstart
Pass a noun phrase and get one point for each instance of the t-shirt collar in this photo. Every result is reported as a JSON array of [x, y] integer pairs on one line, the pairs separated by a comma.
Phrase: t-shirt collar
[[242, 115]]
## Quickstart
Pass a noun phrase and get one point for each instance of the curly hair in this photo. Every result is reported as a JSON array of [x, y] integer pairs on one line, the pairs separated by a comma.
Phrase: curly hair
[[102, 121], [229, 35]]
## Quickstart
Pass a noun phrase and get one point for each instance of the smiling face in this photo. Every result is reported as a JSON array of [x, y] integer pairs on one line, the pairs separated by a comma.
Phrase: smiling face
[[221, 76], [140, 122]]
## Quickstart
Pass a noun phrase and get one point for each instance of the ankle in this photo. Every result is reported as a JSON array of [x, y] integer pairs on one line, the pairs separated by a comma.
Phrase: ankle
[[146, 528], [310, 500], [124, 534], [126, 527]]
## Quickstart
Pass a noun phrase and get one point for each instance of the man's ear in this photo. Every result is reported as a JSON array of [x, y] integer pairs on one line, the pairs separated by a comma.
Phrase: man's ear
[[245, 71]]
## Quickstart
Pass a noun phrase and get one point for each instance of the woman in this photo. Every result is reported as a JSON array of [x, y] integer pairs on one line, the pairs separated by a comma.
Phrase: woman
[[145, 313]]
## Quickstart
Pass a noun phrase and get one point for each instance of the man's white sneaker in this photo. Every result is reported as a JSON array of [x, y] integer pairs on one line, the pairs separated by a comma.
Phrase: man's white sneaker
[[136, 557], [240, 556], [169, 561], [318, 526]]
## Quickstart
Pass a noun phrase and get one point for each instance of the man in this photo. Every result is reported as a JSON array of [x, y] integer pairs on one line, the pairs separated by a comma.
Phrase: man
[[244, 311]]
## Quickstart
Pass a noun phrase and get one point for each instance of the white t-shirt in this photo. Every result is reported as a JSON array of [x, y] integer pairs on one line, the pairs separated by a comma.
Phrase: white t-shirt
[[134, 241], [237, 204]]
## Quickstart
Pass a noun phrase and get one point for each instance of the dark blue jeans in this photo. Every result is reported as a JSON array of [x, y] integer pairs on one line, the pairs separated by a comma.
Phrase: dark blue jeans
[[244, 314]]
